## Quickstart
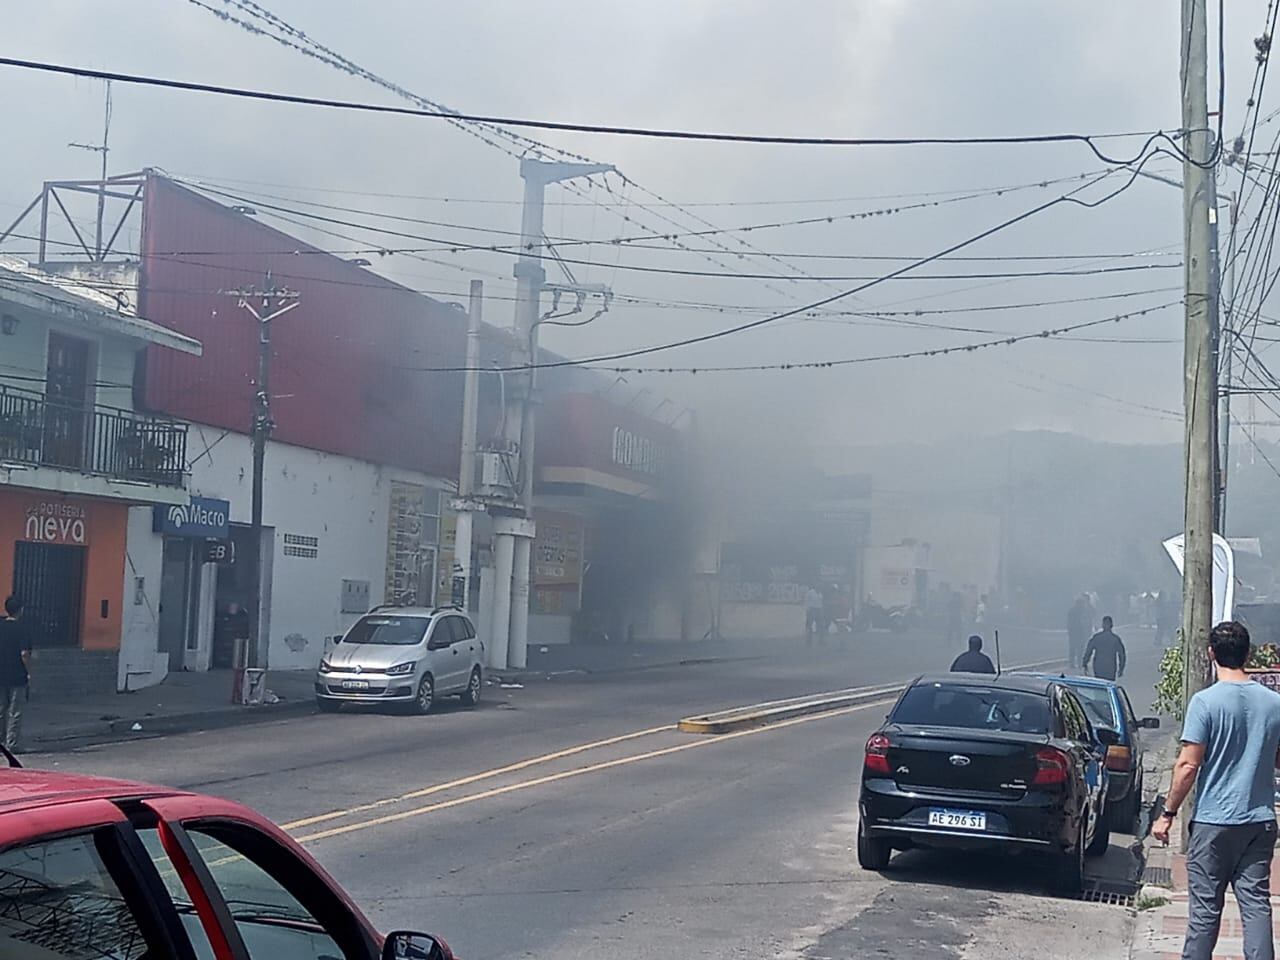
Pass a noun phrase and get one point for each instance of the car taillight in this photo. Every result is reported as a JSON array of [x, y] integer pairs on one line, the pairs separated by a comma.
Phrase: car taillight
[[1051, 767], [1119, 759], [877, 758]]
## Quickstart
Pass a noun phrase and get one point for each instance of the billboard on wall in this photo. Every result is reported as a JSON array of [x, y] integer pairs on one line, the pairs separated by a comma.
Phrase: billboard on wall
[[412, 533], [770, 572], [558, 551]]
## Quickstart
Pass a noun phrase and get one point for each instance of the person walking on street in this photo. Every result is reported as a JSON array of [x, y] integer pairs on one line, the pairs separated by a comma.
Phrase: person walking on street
[[814, 605], [1107, 652], [1079, 626], [1230, 740], [973, 660], [15, 651]]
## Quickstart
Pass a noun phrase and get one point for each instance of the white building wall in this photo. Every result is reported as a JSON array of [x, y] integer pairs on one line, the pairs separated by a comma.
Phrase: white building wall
[[343, 503], [140, 664]]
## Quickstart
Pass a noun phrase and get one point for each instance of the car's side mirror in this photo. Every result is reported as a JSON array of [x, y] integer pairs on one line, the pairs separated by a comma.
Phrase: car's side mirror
[[1149, 723], [1106, 736], [407, 945]]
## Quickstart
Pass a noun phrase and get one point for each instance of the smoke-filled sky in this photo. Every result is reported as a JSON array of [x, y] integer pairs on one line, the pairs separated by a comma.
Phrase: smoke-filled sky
[[916, 68]]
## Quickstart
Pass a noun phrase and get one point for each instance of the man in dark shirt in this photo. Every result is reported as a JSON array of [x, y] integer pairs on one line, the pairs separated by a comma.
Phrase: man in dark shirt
[[1107, 652], [15, 649], [973, 660]]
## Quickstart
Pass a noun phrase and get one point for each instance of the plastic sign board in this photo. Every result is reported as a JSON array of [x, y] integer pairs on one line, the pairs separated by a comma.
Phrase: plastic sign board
[[1224, 574]]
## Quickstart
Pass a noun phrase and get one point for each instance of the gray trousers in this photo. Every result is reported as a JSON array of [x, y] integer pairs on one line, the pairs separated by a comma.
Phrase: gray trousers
[[1239, 855], [12, 700]]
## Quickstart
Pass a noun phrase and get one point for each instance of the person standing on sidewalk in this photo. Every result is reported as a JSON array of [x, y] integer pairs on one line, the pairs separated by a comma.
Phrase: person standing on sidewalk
[[15, 650], [1230, 744]]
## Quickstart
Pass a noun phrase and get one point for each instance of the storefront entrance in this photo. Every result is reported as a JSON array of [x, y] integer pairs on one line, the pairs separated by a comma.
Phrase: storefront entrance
[[179, 598], [50, 580]]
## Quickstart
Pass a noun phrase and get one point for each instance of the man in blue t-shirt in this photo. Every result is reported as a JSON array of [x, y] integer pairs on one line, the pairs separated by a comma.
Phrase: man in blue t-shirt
[[1230, 744]]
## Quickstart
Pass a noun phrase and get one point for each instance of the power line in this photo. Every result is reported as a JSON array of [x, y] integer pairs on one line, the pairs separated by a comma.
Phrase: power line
[[284, 33], [499, 201], [642, 242], [250, 198], [457, 246], [598, 363], [568, 127]]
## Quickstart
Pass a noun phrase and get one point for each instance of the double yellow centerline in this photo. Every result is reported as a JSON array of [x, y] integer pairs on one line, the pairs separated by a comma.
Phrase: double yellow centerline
[[421, 810], [357, 815]]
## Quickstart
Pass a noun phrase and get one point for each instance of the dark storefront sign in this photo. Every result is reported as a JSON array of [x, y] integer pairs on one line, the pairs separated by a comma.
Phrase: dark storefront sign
[[203, 517], [222, 552], [587, 432]]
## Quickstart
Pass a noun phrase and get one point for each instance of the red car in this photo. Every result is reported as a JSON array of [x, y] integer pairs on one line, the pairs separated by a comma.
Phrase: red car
[[112, 870]]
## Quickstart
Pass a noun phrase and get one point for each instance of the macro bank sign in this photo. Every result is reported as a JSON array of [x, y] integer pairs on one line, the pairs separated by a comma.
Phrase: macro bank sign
[[202, 517]]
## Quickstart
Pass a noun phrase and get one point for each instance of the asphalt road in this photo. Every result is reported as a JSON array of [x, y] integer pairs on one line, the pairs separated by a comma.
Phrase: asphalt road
[[566, 819]]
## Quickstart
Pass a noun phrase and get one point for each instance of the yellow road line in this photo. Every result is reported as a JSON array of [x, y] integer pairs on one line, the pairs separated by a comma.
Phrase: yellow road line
[[476, 777], [576, 772], [550, 757]]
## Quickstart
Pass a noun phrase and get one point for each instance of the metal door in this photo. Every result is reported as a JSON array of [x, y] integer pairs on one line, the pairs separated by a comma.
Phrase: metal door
[[49, 578]]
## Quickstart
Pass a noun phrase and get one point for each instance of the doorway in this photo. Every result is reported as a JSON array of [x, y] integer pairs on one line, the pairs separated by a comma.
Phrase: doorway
[[67, 410], [49, 578], [179, 599]]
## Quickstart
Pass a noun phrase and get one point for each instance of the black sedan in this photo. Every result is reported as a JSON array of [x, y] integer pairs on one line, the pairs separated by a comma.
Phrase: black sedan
[[970, 761]]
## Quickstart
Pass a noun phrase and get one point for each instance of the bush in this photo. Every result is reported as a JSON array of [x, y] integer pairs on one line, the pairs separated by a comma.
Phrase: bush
[[1169, 687]]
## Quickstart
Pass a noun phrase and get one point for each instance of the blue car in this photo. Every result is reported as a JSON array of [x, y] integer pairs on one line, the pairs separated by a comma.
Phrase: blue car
[[1120, 731]]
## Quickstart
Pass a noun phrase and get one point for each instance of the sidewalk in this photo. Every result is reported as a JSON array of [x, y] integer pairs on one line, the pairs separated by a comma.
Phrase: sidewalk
[[1161, 931], [184, 701]]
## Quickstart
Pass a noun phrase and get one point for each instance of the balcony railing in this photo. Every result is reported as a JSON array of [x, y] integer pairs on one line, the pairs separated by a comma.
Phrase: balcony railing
[[104, 441]]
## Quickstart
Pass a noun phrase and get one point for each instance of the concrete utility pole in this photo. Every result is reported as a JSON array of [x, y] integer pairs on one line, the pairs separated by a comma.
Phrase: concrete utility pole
[[265, 305], [1199, 368], [530, 278], [466, 504]]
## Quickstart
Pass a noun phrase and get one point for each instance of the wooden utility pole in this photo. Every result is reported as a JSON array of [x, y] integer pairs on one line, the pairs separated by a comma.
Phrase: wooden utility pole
[[265, 304], [1199, 367]]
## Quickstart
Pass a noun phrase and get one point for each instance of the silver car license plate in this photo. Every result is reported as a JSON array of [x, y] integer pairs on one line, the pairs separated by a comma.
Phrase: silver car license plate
[[355, 684], [963, 819]]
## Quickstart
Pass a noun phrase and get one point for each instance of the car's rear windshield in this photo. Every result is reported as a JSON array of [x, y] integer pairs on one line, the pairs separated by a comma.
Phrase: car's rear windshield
[[973, 707], [1097, 704], [404, 631]]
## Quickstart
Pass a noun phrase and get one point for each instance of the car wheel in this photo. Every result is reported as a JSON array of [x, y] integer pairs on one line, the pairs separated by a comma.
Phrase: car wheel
[[1101, 836], [873, 854], [1070, 869], [471, 695], [425, 698], [328, 706]]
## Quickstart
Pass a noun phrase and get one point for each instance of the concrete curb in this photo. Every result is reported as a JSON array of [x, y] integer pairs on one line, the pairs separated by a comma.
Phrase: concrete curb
[[112, 731], [759, 714]]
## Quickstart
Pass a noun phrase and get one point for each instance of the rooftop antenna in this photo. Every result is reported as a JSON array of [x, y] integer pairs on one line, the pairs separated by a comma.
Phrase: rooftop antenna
[[102, 184]]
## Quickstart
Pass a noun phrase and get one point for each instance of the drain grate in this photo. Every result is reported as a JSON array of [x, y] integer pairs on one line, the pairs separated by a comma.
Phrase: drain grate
[[1114, 895], [1160, 876]]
